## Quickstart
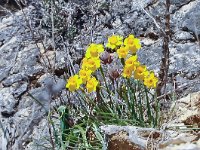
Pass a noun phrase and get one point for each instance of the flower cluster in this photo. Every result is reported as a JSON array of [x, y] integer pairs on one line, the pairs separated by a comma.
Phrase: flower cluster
[[126, 50], [130, 43], [89, 65], [139, 72]]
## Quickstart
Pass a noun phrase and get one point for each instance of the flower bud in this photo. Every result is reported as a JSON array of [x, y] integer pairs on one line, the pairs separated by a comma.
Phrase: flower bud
[[106, 57], [114, 73]]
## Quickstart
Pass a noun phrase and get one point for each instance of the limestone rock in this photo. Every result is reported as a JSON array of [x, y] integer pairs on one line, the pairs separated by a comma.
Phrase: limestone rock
[[129, 137]]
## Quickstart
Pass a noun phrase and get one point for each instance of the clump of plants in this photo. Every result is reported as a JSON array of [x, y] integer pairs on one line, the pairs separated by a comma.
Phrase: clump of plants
[[112, 87]]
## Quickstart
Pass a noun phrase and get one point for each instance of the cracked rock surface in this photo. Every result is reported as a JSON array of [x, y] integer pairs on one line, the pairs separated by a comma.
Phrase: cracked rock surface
[[26, 67]]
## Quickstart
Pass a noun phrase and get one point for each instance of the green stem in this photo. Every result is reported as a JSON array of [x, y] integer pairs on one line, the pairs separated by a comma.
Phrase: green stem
[[150, 117], [123, 62], [157, 110], [140, 105], [109, 93], [132, 99]]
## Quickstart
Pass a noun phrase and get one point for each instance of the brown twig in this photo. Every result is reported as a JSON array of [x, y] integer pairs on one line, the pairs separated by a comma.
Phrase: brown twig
[[163, 74]]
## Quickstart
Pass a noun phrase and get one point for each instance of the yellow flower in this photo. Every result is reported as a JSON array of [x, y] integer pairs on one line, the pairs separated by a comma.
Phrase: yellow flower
[[91, 64], [141, 72], [84, 64], [132, 62], [84, 75], [73, 83], [133, 43], [94, 50], [122, 52], [91, 84], [114, 41], [151, 81], [127, 72], [129, 40]]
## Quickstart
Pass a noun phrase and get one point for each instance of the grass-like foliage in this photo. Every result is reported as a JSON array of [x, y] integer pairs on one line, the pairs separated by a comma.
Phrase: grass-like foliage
[[112, 87]]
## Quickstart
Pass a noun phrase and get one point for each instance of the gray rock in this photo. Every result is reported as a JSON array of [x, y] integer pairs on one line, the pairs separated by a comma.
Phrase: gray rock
[[179, 3], [184, 57], [4, 72], [13, 79], [187, 17], [151, 55], [38, 139], [52, 86], [26, 59], [42, 97], [7, 102], [20, 89], [58, 86], [182, 35], [127, 137]]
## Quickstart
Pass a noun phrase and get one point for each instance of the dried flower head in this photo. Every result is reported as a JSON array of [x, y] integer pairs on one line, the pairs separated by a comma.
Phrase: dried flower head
[[113, 72], [106, 57]]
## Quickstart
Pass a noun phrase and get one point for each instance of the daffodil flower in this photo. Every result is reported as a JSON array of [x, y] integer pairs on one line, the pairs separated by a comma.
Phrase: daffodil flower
[[94, 50], [141, 72], [151, 81], [122, 52], [91, 64], [73, 83], [84, 75], [114, 41], [132, 62], [132, 43], [91, 84], [127, 72]]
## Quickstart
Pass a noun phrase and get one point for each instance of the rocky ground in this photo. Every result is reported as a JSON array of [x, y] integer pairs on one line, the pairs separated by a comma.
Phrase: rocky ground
[[33, 62], [178, 133]]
